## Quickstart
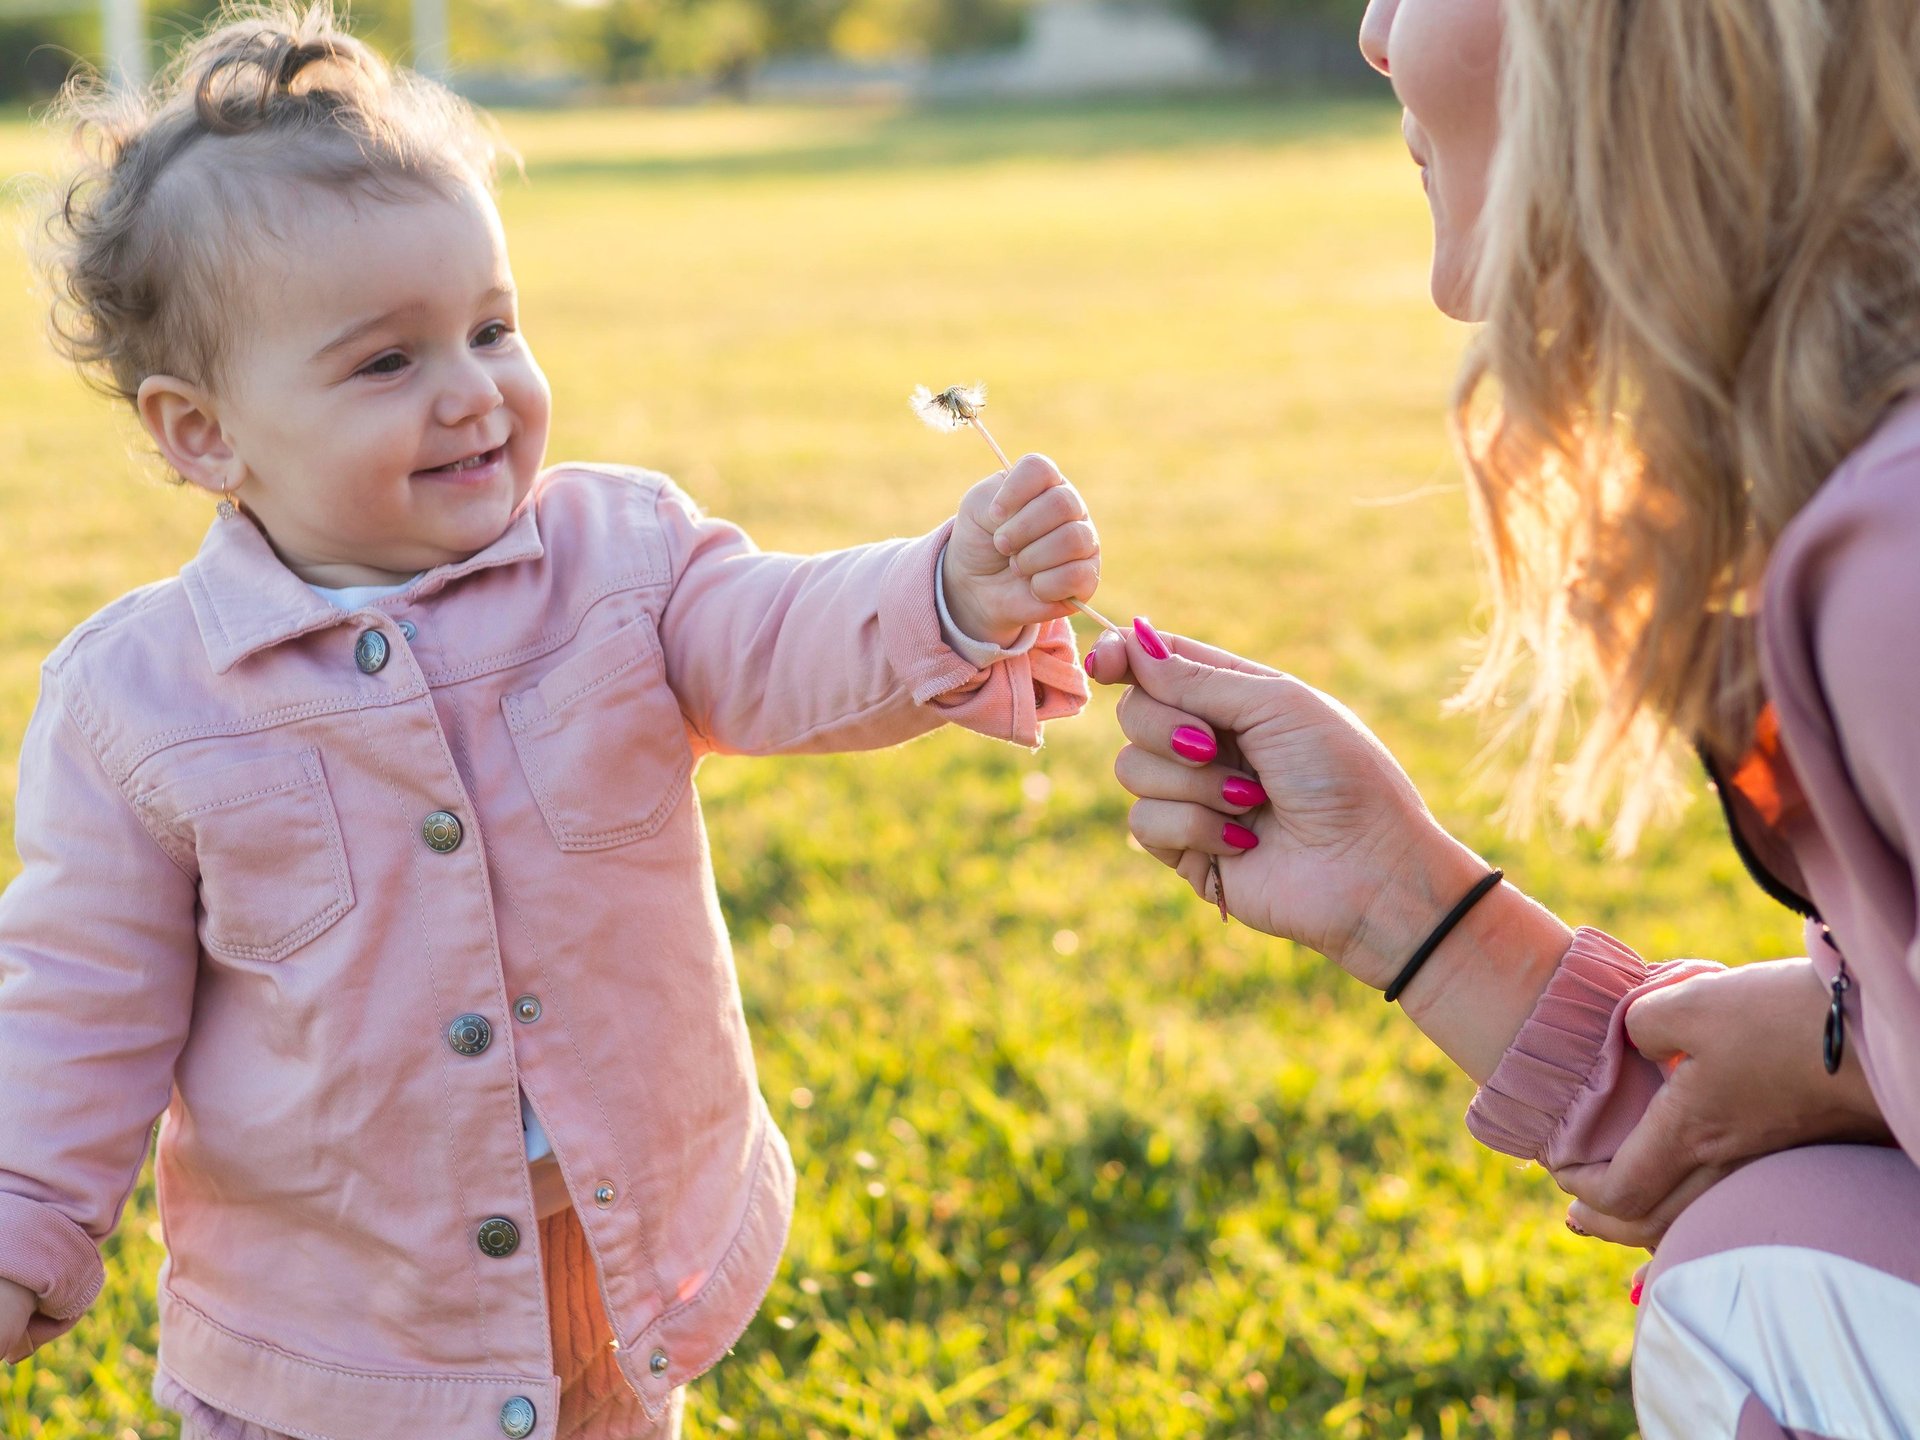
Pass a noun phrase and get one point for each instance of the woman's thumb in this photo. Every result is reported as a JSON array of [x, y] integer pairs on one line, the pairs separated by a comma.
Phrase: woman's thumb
[[1228, 699]]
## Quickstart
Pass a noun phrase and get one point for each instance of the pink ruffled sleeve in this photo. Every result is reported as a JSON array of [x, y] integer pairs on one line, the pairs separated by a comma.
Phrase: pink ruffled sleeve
[[1571, 1087]]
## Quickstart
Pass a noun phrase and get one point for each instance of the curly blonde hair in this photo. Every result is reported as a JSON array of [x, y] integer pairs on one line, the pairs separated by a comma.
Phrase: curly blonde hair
[[1700, 272], [177, 189]]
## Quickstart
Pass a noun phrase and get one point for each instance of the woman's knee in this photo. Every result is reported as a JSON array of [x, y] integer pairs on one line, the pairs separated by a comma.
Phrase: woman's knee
[[1791, 1287]]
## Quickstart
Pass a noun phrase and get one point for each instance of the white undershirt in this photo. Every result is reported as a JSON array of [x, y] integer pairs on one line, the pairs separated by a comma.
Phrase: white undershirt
[[976, 652]]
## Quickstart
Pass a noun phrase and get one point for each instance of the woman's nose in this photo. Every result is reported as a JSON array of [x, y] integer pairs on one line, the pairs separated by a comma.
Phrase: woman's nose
[[1375, 26]]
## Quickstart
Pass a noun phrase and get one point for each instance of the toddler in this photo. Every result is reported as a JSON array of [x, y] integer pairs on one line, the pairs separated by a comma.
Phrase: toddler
[[366, 848]]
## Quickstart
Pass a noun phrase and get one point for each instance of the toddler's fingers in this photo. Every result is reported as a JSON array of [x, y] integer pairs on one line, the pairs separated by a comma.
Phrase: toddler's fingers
[[1030, 477], [1077, 581], [1046, 512], [1077, 540], [1174, 825], [1149, 777], [976, 506], [1165, 731]]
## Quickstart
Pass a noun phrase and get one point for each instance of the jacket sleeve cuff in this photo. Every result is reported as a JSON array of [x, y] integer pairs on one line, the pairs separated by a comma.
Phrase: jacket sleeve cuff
[[1007, 700], [43, 1251], [1571, 1087]]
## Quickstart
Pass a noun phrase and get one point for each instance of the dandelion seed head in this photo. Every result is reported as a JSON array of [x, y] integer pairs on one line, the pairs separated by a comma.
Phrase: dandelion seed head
[[951, 408]]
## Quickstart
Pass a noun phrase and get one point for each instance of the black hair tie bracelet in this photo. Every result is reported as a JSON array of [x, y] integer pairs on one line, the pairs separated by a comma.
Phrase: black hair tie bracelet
[[1454, 916]]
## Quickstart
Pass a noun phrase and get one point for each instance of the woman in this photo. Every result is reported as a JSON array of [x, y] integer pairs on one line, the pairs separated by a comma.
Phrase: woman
[[1691, 229]]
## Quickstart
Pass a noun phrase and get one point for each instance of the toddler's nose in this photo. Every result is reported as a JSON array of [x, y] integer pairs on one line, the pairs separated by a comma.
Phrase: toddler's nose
[[470, 394]]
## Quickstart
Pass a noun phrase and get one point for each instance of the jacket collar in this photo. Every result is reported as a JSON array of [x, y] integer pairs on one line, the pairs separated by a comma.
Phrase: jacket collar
[[245, 599]]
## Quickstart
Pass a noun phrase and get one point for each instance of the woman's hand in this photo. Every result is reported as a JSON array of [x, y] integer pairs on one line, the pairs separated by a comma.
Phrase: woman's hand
[[1742, 1048], [1345, 857], [1022, 547], [17, 1304]]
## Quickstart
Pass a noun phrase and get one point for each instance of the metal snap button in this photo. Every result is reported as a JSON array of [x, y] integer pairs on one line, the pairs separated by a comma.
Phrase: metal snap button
[[526, 1009], [498, 1237], [603, 1196], [442, 831], [408, 629], [370, 652], [658, 1363], [517, 1417], [470, 1034]]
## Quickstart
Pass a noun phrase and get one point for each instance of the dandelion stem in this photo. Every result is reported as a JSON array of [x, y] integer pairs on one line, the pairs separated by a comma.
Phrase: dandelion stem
[[992, 444]]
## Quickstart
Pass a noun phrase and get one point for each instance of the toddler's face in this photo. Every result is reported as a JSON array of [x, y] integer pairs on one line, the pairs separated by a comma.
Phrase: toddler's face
[[385, 414]]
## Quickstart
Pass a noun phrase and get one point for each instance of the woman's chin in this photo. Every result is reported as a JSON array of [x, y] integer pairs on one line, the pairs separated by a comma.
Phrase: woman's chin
[[1451, 286]]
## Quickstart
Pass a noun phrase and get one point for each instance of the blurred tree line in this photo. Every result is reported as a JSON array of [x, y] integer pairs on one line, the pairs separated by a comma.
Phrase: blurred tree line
[[623, 42]]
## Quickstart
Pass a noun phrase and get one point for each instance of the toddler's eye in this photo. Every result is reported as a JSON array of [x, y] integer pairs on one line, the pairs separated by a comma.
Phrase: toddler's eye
[[492, 333], [391, 363]]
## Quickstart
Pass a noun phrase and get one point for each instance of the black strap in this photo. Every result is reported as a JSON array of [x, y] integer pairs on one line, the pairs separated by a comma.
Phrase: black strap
[[1473, 897]]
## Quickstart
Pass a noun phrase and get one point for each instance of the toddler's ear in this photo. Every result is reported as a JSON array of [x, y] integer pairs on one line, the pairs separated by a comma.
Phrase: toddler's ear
[[180, 418]]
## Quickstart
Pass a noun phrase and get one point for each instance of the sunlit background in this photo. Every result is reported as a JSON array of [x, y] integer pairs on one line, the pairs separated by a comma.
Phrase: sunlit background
[[1075, 1161]]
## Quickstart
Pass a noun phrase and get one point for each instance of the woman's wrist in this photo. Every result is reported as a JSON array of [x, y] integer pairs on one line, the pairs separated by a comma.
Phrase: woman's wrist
[[1413, 887], [1476, 990]]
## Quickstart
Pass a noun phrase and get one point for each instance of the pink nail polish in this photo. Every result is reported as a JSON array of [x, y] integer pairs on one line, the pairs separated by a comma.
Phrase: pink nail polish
[[1634, 1294], [1237, 790], [1190, 742], [1238, 836], [1149, 639], [1086, 662], [1576, 1229]]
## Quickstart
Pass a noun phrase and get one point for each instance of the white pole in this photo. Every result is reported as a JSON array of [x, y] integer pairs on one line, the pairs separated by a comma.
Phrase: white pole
[[430, 55], [124, 26]]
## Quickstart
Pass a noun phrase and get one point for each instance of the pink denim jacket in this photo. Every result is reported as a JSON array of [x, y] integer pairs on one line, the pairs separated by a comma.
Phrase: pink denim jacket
[[330, 888]]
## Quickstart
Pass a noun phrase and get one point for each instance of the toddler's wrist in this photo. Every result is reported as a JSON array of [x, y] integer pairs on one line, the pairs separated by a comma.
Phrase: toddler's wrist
[[964, 609]]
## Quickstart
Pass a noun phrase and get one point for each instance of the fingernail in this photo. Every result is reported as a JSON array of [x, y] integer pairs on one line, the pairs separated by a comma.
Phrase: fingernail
[[1150, 640], [1003, 544], [1634, 1294], [1577, 1230], [1190, 742], [1238, 790], [1238, 836], [1086, 661]]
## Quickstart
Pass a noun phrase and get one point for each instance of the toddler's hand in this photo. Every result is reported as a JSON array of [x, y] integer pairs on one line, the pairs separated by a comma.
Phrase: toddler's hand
[[17, 1304], [1022, 547]]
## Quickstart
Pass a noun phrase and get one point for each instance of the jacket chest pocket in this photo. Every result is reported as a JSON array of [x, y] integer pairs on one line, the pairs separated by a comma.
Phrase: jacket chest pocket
[[602, 742], [265, 838]]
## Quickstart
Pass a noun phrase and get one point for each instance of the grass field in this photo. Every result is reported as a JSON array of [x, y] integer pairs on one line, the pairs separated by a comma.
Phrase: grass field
[[1074, 1160]]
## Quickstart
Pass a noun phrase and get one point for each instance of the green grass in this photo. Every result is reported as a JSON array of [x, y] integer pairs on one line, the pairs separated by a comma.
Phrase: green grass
[[1074, 1160]]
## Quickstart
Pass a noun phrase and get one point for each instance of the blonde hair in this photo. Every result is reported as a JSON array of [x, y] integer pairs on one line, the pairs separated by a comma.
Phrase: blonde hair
[[178, 188], [1700, 272]]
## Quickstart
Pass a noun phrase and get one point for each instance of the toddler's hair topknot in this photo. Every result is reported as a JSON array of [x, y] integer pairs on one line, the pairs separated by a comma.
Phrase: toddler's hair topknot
[[177, 189]]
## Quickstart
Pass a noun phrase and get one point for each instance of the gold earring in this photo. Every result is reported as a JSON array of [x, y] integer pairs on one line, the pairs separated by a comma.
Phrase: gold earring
[[226, 509]]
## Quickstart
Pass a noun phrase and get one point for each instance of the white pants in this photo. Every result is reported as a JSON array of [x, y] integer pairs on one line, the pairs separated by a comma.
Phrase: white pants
[[1785, 1302]]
